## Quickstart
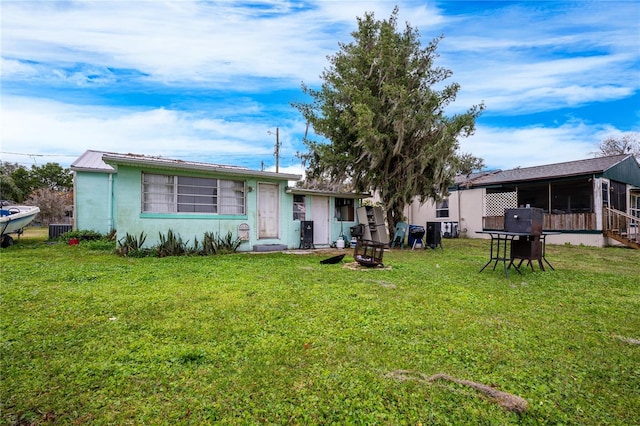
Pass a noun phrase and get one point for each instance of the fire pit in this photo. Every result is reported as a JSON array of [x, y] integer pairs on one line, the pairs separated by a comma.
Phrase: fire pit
[[369, 253]]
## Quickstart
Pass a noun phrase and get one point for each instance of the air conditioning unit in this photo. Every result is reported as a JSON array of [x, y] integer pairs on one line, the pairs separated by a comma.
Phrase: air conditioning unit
[[57, 229]]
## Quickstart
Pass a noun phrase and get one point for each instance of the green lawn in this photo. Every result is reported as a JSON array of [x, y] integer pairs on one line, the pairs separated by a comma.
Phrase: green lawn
[[91, 338]]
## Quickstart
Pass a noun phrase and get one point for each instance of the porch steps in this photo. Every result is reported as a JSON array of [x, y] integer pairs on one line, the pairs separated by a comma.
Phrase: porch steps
[[622, 238], [262, 248], [617, 226]]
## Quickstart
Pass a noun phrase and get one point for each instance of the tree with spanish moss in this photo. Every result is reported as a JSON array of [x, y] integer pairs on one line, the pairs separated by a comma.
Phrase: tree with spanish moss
[[381, 112]]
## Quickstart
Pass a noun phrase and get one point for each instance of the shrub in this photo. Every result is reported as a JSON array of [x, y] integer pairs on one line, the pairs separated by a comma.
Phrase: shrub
[[215, 244], [102, 244], [171, 245], [228, 244], [82, 235], [131, 245]]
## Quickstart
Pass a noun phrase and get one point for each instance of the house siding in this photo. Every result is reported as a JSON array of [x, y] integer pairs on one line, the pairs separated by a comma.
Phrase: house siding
[[626, 171], [471, 210], [92, 210]]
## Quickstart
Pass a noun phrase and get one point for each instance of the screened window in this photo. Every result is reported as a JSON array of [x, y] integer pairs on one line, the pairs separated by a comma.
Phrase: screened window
[[184, 194], [618, 196], [635, 205], [299, 208], [605, 194], [158, 194], [572, 197], [534, 196], [442, 208]]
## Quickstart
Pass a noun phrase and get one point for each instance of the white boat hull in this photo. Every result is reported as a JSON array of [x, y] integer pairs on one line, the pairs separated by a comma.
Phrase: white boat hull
[[14, 218]]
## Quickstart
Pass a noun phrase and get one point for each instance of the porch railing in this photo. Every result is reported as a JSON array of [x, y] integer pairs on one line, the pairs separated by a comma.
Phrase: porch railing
[[552, 222], [621, 223]]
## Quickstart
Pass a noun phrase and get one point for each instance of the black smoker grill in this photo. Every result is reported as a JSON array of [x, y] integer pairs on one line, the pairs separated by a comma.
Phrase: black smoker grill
[[357, 231], [527, 221], [524, 220]]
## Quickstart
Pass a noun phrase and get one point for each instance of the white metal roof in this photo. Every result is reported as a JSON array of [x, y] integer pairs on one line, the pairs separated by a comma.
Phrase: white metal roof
[[304, 191], [91, 161], [98, 161]]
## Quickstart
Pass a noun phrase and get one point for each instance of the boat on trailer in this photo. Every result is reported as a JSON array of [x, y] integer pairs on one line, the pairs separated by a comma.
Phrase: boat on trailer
[[13, 219]]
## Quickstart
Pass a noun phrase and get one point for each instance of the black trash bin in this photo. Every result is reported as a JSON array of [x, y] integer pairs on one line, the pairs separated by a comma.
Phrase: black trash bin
[[434, 235]]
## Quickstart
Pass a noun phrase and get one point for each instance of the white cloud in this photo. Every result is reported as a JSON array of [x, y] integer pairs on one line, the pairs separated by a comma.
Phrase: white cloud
[[507, 148], [518, 57], [173, 41], [70, 130], [189, 41], [524, 59]]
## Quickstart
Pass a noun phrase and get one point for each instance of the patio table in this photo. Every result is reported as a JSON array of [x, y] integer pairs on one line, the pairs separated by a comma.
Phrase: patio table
[[527, 247]]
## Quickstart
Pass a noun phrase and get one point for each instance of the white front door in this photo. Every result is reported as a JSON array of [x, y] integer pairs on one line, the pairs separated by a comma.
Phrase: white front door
[[320, 216], [268, 210]]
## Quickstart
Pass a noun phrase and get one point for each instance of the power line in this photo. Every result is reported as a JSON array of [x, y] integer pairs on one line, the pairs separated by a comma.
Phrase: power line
[[37, 155]]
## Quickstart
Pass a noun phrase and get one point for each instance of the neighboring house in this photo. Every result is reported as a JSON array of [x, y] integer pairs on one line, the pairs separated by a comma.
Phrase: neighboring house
[[593, 202], [137, 193]]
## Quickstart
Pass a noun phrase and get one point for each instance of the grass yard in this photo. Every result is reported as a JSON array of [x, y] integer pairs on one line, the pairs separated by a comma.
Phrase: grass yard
[[91, 338]]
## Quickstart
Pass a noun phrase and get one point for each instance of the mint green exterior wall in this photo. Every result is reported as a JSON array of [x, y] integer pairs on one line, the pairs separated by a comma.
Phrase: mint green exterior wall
[[130, 219], [93, 209]]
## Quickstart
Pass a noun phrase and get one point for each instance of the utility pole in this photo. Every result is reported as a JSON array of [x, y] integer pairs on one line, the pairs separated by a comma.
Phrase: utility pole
[[277, 152]]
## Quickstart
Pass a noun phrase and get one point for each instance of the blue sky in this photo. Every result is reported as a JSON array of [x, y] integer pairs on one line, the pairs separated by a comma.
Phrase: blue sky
[[211, 81]]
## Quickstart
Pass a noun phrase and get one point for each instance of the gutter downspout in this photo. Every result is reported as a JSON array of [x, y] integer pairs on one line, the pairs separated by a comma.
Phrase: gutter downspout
[[75, 201], [460, 229], [110, 204]]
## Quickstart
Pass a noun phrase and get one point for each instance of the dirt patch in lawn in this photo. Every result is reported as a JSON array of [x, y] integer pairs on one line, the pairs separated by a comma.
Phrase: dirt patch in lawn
[[355, 266], [506, 400]]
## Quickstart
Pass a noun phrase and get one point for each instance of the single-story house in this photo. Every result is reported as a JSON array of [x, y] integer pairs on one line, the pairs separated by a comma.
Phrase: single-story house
[[594, 202], [132, 193]]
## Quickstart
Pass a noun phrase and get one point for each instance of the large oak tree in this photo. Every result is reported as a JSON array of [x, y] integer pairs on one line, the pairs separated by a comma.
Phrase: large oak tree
[[381, 112]]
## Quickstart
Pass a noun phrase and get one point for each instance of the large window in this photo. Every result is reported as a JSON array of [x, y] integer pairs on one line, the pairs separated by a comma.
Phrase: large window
[[183, 194]]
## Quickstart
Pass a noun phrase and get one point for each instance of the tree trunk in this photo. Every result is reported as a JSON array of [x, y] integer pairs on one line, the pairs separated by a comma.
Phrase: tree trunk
[[395, 214]]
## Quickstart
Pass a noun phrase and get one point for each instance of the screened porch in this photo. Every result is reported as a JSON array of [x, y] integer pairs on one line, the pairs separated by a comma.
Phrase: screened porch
[[569, 205]]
